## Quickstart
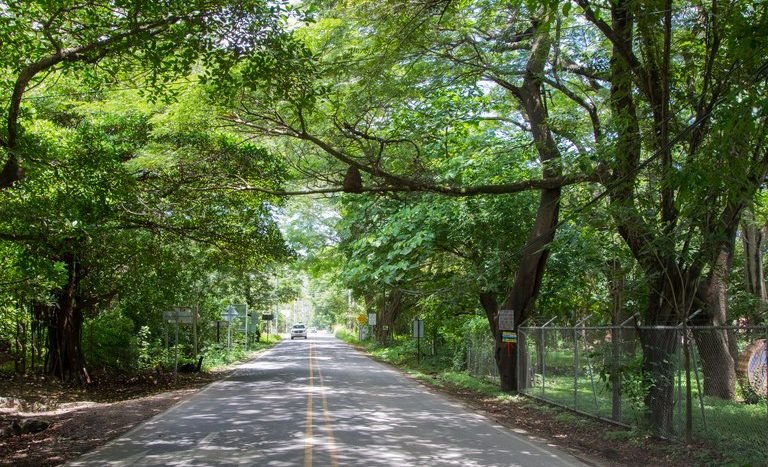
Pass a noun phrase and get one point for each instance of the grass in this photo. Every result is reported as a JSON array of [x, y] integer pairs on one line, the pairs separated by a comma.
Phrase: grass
[[739, 431], [734, 428], [216, 357]]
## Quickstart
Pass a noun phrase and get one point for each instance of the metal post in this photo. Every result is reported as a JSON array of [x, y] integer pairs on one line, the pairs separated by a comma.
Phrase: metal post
[[176, 352], [418, 348], [682, 365], [698, 383], [194, 329], [246, 327], [229, 333], [518, 366], [575, 368], [543, 357], [688, 397]]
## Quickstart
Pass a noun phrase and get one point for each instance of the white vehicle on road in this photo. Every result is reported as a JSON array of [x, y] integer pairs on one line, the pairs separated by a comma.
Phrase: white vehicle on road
[[298, 330]]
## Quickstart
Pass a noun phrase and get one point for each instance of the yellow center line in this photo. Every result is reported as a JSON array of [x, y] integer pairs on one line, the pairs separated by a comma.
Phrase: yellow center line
[[308, 432], [328, 427]]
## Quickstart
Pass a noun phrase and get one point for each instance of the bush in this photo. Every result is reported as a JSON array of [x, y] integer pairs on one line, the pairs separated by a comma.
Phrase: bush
[[109, 341]]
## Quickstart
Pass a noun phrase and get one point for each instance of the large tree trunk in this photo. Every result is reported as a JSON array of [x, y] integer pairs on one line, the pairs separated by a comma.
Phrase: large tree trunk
[[659, 347], [616, 284], [671, 296], [390, 311], [65, 359], [504, 353], [715, 345], [753, 239], [527, 282]]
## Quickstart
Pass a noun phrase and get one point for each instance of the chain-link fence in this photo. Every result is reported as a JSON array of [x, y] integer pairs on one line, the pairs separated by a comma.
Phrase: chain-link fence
[[480, 361], [705, 383]]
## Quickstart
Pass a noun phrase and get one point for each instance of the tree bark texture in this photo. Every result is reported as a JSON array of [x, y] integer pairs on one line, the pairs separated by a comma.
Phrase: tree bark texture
[[390, 311], [659, 347], [504, 353], [65, 359], [714, 345], [753, 240]]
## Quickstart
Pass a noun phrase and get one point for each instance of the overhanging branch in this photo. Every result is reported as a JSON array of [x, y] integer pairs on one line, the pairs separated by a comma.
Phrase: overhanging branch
[[447, 190]]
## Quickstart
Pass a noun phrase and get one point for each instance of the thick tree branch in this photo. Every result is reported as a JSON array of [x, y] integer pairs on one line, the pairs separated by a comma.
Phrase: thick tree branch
[[11, 171], [447, 190]]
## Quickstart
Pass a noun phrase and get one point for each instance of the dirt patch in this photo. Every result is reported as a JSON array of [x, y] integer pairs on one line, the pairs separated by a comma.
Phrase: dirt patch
[[82, 419]]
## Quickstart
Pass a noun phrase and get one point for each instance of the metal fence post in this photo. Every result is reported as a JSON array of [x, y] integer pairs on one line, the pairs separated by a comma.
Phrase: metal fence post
[[543, 359]]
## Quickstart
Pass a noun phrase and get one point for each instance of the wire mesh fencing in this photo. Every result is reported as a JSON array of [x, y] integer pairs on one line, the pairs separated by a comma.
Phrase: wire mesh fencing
[[705, 383], [480, 361]]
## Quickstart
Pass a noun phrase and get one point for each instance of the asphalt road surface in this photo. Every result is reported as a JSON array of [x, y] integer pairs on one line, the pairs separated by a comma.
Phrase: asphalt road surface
[[319, 402]]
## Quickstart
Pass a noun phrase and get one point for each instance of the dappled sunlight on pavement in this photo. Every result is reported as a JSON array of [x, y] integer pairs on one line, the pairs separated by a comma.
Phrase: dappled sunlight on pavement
[[319, 402]]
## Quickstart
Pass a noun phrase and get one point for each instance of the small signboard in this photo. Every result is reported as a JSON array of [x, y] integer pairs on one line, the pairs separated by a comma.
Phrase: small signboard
[[506, 320], [267, 317], [178, 315], [509, 337], [417, 328], [372, 319]]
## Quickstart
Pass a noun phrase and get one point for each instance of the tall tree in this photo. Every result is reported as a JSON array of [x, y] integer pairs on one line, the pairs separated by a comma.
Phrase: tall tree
[[124, 177], [675, 113]]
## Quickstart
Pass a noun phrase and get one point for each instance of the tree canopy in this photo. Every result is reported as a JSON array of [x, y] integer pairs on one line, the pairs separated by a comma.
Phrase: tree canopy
[[556, 159]]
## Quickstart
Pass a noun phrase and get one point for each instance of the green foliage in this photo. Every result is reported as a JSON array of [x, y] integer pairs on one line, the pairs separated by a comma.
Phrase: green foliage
[[345, 334], [110, 342], [149, 355]]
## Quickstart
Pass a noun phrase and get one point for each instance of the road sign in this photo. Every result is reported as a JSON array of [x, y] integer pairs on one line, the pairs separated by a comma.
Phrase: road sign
[[372, 319], [229, 313], [267, 317], [417, 328], [178, 315]]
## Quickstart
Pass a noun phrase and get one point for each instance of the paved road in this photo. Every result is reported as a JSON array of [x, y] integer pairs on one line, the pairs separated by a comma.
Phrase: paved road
[[321, 403]]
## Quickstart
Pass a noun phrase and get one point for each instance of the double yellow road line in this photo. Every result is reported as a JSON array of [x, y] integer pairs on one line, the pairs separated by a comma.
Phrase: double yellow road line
[[309, 441]]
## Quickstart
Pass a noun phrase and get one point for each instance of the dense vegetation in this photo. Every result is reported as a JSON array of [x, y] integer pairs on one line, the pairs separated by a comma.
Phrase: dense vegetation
[[556, 159]]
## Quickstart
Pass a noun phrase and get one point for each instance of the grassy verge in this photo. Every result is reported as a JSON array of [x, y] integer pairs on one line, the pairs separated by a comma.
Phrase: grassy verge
[[219, 357]]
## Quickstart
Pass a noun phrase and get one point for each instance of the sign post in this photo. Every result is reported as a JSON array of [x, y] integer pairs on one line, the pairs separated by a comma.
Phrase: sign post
[[507, 329], [228, 315], [417, 328], [177, 315], [268, 318]]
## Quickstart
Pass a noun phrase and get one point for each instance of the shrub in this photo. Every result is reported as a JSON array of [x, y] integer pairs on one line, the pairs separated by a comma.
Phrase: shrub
[[109, 341]]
